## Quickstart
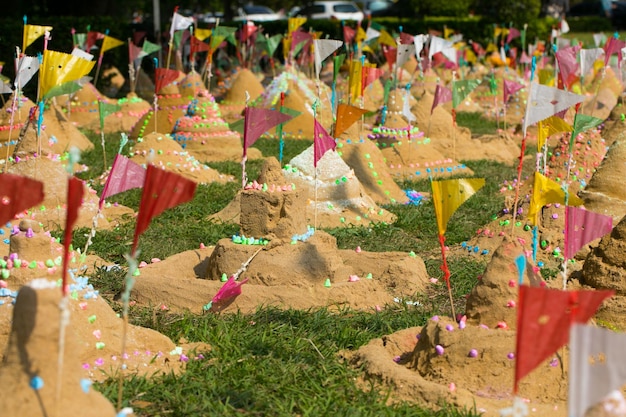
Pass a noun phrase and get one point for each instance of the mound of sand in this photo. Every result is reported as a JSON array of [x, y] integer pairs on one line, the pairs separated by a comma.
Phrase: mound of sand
[[244, 81], [82, 106], [133, 109]]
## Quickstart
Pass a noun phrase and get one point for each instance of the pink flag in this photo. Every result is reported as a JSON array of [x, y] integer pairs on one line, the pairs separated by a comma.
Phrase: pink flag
[[568, 66], [390, 55], [406, 39], [510, 88], [75, 192], [348, 34], [442, 95], [612, 46], [513, 33], [301, 37], [133, 52], [258, 121], [164, 77], [322, 142], [227, 294], [161, 190], [369, 74], [17, 194], [582, 226], [124, 175]]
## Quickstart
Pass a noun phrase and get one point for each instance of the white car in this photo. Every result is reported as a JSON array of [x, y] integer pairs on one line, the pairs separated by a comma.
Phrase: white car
[[340, 10], [256, 13]]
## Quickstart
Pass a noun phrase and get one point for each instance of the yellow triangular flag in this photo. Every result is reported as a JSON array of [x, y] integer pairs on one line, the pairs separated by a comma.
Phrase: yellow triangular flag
[[549, 127], [448, 195], [386, 39], [367, 48], [110, 42], [32, 33], [546, 191], [497, 31], [58, 68], [355, 78], [447, 32], [360, 35], [202, 34], [294, 23], [546, 77], [491, 47]]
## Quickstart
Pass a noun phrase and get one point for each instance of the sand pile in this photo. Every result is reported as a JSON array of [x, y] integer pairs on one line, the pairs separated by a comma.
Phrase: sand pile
[[133, 109], [82, 106], [602, 94], [23, 106], [341, 199], [242, 82], [164, 152]]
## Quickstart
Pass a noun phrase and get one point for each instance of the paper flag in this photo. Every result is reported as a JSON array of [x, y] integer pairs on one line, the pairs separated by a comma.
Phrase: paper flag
[[371, 34], [180, 22], [390, 55], [247, 31], [322, 50], [442, 95], [125, 175], [355, 76], [271, 43], [32, 33], [404, 52], [596, 366], [612, 46], [134, 52], [544, 101], [17, 194], [513, 34], [106, 109], [161, 190], [599, 39], [110, 42], [58, 68], [82, 54], [346, 116], [75, 190], [581, 227], [438, 44], [348, 34], [386, 39], [227, 294], [149, 47], [568, 66], [582, 122], [221, 34], [196, 45], [293, 23], [300, 41], [462, 89], [544, 316], [419, 41], [510, 87], [369, 74], [27, 66], [549, 127], [406, 107], [322, 142], [92, 37], [164, 77], [202, 33], [258, 121], [448, 195], [546, 191]]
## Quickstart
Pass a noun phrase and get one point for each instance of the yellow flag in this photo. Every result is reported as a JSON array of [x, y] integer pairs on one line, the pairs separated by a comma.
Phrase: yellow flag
[[386, 39], [546, 191], [448, 195], [497, 31], [355, 78], [546, 77], [202, 34], [110, 42], [367, 48], [549, 127], [491, 47], [32, 33], [294, 23], [470, 56], [447, 32], [360, 35], [58, 68]]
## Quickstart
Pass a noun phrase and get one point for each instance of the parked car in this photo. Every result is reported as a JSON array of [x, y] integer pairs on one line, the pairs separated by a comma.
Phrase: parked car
[[340, 10], [257, 13], [379, 8], [617, 13]]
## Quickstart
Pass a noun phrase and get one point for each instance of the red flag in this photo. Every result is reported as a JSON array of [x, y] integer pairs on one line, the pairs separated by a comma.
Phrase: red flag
[[612, 46], [17, 194], [568, 66], [544, 318], [257, 121], [406, 39], [442, 95], [348, 34], [197, 45], [247, 30], [161, 190], [139, 36], [75, 192], [227, 294], [510, 88], [92, 37], [322, 142], [390, 55], [133, 52], [124, 175], [164, 77], [369, 74], [301, 37], [581, 227]]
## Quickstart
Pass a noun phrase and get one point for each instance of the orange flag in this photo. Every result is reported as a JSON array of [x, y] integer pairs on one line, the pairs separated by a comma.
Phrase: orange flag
[[346, 116]]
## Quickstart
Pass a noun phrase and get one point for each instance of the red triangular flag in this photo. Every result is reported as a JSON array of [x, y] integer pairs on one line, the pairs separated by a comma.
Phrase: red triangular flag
[[258, 121], [612, 46], [301, 37], [161, 190], [544, 318], [125, 174], [92, 37], [322, 142], [75, 190], [369, 74], [139, 36], [406, 39], [133, 52], [196, 45], [17, 194], [581, 227], [348, 34], [164, 77], [510, 88], [513, 33], [247, 30], [442, 95], [227, 294], [390, 55]]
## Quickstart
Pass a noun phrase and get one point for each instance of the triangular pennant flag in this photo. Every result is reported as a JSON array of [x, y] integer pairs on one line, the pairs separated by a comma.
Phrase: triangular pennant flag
[[258, 121], [406, 38], [587, 58], [75, 191], [369, 74], [105, 109], [293, 23], [448, 195], [348, 34], [58, 68], [544, 101], [355, 75], [300, 41], [461, 89], [125, 175], [360, 35], [346, 116], [581, 227], [513, 34], [110, 42], [568, 66], [438, 44], [419, 41], [510, 87], [227, 294], [149, 47], [32, 33], [386, 39], [247, 31], [390, 55], [371, 34], [544, 316], [81, 39], [599, 39], [596, 366], [196, 45], [406, 107], [17, 194], [582, 122], [442, 95], [322, 142], [27, 66], [322, 50], [404, 52], [549, 127], [69, 87], [92, 37], [180, 22], [202, 34], [164, 77], [272, 43], [221, 34], [134, 52], [612, 46], [546, 191], [161, 190], [82, 54]]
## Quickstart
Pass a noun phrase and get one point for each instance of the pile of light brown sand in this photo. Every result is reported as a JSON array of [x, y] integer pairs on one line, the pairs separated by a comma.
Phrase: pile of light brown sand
[[242, 82], [82, 106], [132, 109]]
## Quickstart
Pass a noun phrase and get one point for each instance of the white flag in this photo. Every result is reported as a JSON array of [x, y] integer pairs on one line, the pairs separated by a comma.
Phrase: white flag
[[180, 22], [322, 50], [370, 34], [419, 41], [597, 366], [438, 44], [599, 39], [27, 66], [82, 54], [406, 108], [587, 58], [544, 101], [404, 53]]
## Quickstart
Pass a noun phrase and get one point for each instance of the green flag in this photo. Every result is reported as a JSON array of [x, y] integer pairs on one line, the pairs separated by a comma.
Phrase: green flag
[[582, 122], [461, 89], [105, 109]]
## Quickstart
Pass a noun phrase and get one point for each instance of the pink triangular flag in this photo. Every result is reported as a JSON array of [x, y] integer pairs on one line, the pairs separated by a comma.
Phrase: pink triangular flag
[[406, 39], [125, 174], [513, 33], [258, 121], [322, 142], [227, 294], [300, 36], [568, 66], [582, 226], [613, 46], [442, 95], [544, 101], [510, 87]]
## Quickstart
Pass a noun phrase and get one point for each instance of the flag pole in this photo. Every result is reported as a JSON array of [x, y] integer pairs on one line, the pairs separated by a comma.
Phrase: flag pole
[[244, 177], [446, 272], [16, 93], [281, 141]]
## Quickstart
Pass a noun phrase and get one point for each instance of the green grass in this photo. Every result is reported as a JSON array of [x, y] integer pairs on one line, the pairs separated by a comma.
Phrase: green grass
[[477, 123], [274, 362]]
